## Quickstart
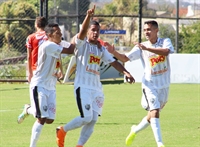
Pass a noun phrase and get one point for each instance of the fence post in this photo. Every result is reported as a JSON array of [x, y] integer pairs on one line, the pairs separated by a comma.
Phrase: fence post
[[41, 7], [140, 22], [177, 25]]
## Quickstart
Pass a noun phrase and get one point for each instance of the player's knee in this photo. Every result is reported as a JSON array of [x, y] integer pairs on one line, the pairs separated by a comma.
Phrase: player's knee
[[86, 119], [49, 121], [154, 113]]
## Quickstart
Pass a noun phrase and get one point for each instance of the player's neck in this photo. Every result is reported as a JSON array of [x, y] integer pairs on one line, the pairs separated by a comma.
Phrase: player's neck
[[153, 41], [40, 30], [92, 42]]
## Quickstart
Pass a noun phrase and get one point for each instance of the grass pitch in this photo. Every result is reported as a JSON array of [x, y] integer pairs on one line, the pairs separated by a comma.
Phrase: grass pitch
[[180, 119]]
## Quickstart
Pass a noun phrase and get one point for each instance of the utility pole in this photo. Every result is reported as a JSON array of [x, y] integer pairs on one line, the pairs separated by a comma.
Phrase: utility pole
[[44, 8], [77, 18], [41, 7], [177, 25]]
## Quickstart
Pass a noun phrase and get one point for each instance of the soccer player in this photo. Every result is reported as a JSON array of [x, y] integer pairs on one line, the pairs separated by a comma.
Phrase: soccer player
[[33, 42], [154, 55], [87, 85], [43, 82]]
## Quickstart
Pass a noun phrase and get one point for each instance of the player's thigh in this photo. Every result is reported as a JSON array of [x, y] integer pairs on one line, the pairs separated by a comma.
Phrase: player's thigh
[[98, 101], [84, 101], [150, 100], [51, 104], [40, 100], [163, 96]]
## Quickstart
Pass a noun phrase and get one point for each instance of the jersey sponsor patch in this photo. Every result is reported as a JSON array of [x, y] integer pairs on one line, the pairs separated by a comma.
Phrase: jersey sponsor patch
[[157, 59]]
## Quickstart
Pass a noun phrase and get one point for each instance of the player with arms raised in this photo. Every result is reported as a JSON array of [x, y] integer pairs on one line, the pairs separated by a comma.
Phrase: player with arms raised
[[87, 86]]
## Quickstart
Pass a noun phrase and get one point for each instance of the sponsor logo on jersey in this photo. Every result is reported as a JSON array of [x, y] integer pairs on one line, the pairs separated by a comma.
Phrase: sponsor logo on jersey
[[157, 59], [94, 59]]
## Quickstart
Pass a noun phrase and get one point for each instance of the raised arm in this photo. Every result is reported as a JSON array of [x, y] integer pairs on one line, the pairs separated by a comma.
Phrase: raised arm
[[85, 24]]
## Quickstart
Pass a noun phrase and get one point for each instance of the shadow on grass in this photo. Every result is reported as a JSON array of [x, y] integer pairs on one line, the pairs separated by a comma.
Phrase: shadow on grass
[[118, 81], [13, 89]]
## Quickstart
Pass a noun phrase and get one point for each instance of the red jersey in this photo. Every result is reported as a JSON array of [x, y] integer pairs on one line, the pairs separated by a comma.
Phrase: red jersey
[[101, 42], [33, 42]]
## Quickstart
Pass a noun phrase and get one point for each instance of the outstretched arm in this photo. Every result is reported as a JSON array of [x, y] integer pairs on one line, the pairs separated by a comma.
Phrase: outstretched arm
[[111, 49], [159, 51], [70, 49], [120, 68], [86, 22]]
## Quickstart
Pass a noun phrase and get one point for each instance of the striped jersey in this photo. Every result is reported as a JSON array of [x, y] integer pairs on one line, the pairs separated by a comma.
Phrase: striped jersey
[[33, 42], [88, 58], [156, 67], [48, 56]]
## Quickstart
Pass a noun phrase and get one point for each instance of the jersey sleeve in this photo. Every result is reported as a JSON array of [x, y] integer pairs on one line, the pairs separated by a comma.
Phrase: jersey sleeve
[[107, 57], [54, 50], [29, 42], [134, 54], [65, 44], [79, 42], [168, 44]]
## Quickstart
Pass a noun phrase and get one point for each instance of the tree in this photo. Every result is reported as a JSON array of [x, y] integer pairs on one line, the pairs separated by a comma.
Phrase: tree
[[16, 31], [168, 31], [123, 7], [189, 41], [63, 8]]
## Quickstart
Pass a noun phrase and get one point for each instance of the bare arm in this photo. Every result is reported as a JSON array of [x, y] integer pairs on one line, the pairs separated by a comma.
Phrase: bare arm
[[29, 63], [86, 22], [121, 69], [159, 51], [111, 49], [69, 50]]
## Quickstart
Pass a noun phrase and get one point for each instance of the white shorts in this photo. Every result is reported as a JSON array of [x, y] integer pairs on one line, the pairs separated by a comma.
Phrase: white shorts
[[89, 100], [43, 102], [154, 98]]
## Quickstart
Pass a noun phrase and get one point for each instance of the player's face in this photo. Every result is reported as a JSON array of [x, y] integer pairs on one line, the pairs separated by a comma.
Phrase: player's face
[[150, 32], [56, 35], [93, 33]]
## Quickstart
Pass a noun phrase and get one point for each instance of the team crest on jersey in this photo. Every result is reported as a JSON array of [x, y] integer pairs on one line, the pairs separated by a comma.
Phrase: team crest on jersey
[[157, 59], [87, 107], [94, 59]]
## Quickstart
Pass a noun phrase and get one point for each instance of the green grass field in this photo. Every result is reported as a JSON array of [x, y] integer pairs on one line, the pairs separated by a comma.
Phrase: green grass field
[[180, 119]]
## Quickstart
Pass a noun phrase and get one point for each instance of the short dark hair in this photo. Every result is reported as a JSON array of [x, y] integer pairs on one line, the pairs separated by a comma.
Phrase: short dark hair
[[41, 21], [49, 29], [93, 22], [152, 22]]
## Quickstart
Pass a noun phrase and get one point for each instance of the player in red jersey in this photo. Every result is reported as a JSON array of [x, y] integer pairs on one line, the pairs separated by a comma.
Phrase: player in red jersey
[[33, 42]]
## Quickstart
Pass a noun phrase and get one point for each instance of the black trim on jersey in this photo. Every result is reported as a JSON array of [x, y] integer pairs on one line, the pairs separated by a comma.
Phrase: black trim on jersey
[[78, 100], [146, 99], [36, 101]]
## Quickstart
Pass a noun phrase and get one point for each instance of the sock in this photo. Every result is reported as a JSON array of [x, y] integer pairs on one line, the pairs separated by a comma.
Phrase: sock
[[29, 110], [155, 125], [141, 126], [79, 146], [73, 124], [87, 130], [36, 131]]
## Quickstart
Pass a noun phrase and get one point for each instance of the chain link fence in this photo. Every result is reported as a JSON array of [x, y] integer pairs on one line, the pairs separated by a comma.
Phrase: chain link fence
[[119, 25]]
